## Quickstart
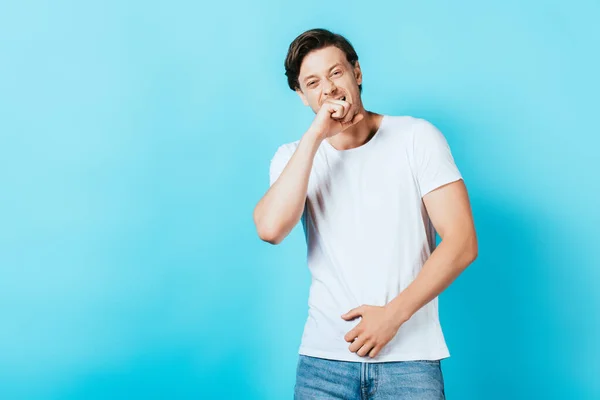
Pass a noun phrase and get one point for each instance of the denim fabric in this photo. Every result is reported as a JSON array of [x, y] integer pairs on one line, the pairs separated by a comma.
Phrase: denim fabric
[[319, 378]]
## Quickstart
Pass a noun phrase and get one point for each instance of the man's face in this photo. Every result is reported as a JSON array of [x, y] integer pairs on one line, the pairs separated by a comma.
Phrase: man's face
[[326, 74]]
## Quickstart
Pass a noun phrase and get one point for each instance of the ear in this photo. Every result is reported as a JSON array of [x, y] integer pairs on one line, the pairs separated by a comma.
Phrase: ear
[[357, 72], [302, 96]]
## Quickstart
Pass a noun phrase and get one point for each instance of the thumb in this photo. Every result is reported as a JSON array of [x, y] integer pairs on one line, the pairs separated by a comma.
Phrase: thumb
[[355, 312], [357, 118]]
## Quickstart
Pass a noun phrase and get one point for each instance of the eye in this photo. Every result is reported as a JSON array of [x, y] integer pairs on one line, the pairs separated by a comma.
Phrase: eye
[[337, 72], [310, 83]]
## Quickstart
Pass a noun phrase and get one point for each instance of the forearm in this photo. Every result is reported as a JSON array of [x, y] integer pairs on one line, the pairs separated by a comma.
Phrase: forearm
[[280, 209], [444, 265]]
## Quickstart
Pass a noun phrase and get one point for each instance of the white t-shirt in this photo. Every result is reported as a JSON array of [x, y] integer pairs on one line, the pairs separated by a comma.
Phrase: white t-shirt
[[368, 235]]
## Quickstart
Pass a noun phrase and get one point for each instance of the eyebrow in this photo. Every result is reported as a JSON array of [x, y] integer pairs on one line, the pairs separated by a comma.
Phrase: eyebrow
[[314, 76]]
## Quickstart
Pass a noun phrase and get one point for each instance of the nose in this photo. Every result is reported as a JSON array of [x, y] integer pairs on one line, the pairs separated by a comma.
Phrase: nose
[[329, 87]]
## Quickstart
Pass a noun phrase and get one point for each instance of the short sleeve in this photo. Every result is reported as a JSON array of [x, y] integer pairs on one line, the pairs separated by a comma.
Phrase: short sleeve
[[433, 161], [278, 163]]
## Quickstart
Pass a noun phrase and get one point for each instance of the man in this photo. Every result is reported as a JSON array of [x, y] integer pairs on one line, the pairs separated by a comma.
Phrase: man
[[371, 191]]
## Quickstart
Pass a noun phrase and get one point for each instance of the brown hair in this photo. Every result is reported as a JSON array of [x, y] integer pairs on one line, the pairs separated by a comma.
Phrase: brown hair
[[308, 41]]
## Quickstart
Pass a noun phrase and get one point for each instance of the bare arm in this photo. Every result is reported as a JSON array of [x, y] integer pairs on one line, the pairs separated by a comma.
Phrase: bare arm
[[280, 209], [450, 212]]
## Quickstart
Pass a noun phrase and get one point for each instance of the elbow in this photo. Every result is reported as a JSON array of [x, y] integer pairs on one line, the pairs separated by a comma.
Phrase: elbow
[[466, 249], [472, 256], [472, 250], [267, 232], [269, 235]]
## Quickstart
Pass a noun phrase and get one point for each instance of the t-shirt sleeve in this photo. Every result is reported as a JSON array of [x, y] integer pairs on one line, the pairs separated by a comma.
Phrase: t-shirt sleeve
[[433, 161], [278, 163]]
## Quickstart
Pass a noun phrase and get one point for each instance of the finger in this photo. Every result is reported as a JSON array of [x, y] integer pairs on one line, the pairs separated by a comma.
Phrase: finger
[[355, 312], [350, 336], [357, 344], [349, 116], [374, 351], [350, 112], [337, 108], [366, 348], [344, 103]]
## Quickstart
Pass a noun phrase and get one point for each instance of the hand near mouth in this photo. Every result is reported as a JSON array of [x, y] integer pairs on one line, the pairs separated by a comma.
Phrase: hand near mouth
[[334, 116]]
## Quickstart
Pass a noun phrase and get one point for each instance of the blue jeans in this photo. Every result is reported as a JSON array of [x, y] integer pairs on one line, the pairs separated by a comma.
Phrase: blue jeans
[[320, 378]]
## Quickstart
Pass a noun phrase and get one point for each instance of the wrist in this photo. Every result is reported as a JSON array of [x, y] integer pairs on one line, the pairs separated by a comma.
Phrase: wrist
[[398, 313], [313, 138]]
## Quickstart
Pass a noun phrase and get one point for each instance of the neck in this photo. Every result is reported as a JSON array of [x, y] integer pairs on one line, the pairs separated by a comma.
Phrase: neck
[[357, 134]]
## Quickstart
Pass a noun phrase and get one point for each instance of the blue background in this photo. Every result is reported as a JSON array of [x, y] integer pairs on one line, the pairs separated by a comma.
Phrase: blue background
[[135, 140]]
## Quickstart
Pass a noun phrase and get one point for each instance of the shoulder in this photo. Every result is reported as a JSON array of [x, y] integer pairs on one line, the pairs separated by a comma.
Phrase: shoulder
[[409, 123], [405, 128], [422, 128], [404, 121], [418, 136], [285, 151], [291, 146], [419, 132]]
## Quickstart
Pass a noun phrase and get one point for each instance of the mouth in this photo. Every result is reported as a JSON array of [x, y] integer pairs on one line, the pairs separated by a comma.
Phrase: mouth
[[343, 98]]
